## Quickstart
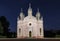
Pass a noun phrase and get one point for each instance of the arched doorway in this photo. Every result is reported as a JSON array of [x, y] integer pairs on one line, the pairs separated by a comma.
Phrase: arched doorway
[[30, 33]]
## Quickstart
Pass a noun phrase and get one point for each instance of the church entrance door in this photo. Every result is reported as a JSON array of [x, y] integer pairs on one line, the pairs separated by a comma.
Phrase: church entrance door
[[30, 33]]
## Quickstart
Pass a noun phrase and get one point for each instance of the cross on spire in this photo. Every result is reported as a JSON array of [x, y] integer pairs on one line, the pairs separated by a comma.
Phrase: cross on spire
[[38, 9], [29, 5], [21, 10]]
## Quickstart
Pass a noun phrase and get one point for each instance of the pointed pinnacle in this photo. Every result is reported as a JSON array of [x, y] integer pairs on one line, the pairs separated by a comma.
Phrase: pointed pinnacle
[[29, 5], [21, 10], [38, 9]]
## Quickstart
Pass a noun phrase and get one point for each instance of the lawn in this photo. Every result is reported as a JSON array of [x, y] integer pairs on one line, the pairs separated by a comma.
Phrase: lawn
[[2, 36]]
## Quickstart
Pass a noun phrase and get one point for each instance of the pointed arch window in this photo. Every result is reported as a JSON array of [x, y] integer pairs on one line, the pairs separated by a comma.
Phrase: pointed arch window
[[29, 33], [19, 30], [40, 31]]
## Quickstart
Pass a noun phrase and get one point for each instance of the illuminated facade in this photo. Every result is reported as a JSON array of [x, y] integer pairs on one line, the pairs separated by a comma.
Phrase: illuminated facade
[[30, 26]]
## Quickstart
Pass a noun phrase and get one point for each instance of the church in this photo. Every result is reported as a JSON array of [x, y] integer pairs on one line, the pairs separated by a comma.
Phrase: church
[[30, 26]]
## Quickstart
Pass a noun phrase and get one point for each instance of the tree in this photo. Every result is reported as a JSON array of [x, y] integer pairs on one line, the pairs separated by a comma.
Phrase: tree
[[5, 25], [49, 33], [1, 29]]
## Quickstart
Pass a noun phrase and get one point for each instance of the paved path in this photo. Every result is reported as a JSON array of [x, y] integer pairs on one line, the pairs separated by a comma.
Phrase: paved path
[[16, 39]]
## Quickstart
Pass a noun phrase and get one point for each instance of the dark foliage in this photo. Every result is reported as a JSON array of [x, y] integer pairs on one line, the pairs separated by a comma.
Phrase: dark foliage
[[12, 35], [5, 25], [49, 33]]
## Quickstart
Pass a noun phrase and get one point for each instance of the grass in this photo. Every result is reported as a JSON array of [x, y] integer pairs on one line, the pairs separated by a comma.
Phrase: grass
[[57, 36], [2, 36]]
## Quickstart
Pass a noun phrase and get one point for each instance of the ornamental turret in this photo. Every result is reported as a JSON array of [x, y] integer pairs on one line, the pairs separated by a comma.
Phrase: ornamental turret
[[21, 15], [29, 10], [38, 14]]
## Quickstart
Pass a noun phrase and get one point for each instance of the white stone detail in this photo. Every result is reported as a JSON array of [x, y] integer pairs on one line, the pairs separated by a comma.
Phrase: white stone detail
[[30, 23]]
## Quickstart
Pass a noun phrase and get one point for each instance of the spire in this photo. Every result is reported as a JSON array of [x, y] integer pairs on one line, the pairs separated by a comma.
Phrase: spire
[[38, 14], [21, 10], [38, 9], [21, 14], [29, 5], [29, 10]]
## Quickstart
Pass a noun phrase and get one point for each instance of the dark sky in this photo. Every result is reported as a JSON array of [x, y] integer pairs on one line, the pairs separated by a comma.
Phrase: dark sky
[[49, 9]]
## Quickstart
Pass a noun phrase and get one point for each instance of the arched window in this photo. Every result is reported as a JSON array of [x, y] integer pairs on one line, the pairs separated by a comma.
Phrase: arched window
[[29, 33], [19, 30], [40, 31]]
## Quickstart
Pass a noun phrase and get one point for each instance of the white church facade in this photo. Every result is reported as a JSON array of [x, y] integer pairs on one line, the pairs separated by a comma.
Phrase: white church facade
[[30, 26]]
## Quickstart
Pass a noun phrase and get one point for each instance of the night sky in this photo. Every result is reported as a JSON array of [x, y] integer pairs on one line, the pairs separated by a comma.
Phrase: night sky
[[49, 9]]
